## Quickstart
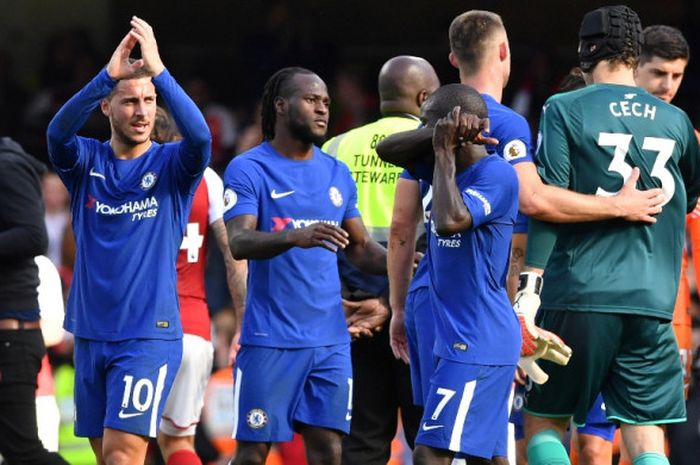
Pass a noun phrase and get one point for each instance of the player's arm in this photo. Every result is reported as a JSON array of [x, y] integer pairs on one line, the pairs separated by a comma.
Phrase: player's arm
[[195, 148], [555, 204], [248, 243], [542, 237], [62, 139], [23, 234], [400, 258], [405, 148], [364, 252], [236, 271], [450, 214]]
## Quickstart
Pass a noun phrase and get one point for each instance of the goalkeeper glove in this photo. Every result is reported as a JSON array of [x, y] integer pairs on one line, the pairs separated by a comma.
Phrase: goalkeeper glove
[[537, 343]]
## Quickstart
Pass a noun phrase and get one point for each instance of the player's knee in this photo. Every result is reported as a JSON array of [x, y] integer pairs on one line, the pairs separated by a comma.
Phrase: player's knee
[[545, 448], [594, 453], [250, 455], [117, 457], [325, 452]]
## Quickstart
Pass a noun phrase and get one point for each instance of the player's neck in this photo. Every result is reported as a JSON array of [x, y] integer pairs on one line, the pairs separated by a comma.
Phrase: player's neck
[[603, 73], [292, 148], [124, 151], [485, 82], [469, 155]]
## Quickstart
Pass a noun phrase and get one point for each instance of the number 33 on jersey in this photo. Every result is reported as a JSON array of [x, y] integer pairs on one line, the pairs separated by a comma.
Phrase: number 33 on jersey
[[590, 141]]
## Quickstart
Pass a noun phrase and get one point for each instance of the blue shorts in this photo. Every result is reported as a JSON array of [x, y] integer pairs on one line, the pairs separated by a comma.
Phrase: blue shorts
[[516, 411], [274, 388], [123, 385], [420, 331], [467, 409], [597, 422]]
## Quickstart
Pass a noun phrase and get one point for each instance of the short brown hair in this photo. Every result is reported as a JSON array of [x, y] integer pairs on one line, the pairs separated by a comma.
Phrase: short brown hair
[[469, 33], [665, 42]]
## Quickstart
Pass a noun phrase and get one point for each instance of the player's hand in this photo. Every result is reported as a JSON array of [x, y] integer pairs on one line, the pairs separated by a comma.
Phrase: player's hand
[[635, 205], [397, 336], [520, 376], [235, 347], [143, 32], [120, 66], [320, 235], [537, 343], [445, 134], [472, 128], [365, 317], [417, 257]]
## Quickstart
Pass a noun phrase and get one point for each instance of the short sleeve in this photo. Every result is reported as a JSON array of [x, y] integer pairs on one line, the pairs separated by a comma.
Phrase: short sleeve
[[241, 185], [351, 210], [492, 196], [515, 142], [553, 162], [215, 192]]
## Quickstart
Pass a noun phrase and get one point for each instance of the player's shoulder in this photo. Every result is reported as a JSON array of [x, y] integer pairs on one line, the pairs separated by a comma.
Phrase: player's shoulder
[[211, 177], [324, 158], [505, 120], [249, 164], [496, 165], [497, 109]]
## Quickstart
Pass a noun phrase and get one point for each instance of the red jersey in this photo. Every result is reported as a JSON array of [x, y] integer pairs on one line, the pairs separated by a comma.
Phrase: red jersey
[[207, 207]]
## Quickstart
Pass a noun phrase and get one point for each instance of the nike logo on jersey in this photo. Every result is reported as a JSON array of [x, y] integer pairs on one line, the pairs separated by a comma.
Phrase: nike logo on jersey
[[97, 175], [278, 195], [124, 416], [427, 427]]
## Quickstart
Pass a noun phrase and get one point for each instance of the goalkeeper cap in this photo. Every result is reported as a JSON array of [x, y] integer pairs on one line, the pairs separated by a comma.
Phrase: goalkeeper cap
[[609, 32]]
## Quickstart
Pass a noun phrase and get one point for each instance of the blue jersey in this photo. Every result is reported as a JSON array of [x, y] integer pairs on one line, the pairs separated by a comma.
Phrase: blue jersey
[[475, 320], [293, 298], [514, 141], [128, 217]]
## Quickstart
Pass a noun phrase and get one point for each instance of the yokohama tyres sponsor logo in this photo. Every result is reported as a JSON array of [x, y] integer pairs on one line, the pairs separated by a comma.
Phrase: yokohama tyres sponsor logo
[[140, 209], [278, 223]]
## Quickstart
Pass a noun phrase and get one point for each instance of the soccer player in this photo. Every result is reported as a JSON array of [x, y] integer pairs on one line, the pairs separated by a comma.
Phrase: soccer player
[[479, 48], [288, 208], [381, 384], [477, 344], [184, 404], [665, 54], [129, 199], [610, 287]]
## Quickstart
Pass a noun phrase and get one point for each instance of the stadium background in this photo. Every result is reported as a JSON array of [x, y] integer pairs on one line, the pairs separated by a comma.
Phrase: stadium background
[[235, 45]]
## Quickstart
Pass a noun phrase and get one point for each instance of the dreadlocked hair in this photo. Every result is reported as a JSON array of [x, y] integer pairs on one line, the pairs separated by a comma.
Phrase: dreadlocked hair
[[274, 87]]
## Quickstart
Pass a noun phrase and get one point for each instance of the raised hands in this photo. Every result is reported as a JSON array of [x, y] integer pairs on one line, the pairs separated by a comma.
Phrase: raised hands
[[459, 128], [121, 66]]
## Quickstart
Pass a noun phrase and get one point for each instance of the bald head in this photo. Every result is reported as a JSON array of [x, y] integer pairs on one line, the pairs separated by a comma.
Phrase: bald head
[[404, 84]]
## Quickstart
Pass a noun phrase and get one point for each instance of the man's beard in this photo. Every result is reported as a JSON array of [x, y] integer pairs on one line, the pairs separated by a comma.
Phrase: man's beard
[[304, 133], [128, 140]]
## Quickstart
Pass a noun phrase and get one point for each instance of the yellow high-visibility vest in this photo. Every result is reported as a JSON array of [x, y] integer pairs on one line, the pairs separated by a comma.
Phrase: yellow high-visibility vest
[[375, 178]]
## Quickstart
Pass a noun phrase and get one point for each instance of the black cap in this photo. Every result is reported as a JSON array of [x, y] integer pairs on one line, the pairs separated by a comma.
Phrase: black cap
[[608, 32]]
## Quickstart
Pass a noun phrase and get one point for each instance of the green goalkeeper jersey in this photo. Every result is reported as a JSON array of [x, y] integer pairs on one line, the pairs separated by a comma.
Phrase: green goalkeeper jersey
[[590, 140]]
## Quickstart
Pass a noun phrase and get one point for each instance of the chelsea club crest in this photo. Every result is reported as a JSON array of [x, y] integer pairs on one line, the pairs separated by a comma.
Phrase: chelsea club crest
[[148, 180]]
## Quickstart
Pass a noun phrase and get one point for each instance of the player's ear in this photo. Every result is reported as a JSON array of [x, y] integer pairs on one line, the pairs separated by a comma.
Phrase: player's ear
[[503, 51], [104, 107], [280, 105], [453, 60]]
